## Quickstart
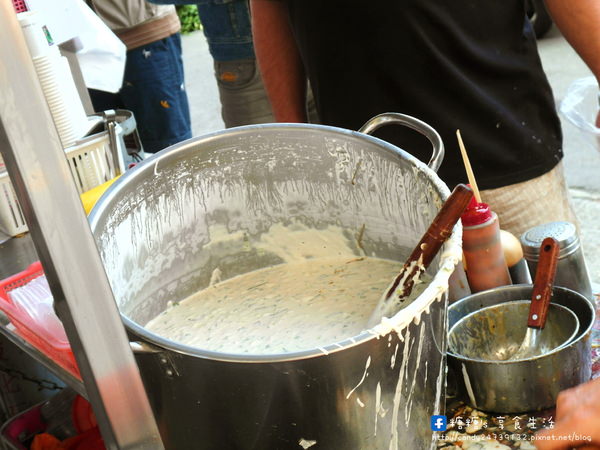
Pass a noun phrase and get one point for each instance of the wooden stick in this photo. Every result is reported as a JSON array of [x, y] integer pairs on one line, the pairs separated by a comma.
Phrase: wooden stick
[[468, 168]]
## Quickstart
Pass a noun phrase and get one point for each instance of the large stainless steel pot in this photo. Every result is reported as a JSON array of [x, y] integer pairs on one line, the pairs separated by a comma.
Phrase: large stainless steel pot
[[155, 229]]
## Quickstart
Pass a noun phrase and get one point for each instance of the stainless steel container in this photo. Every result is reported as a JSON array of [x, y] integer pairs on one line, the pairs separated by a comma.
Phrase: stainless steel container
[[155, 229], [571, 271], [527, 385], [495, 333], [519, 273]]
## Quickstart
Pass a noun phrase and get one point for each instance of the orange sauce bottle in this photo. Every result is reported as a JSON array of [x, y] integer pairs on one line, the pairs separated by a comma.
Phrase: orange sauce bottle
[[482, 248]]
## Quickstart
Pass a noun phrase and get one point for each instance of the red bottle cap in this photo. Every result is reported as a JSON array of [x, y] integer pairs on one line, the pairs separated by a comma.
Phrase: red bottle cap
[[476, 213]]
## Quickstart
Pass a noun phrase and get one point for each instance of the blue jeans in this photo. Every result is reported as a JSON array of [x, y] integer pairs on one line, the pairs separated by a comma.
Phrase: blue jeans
[[228, 30], [226, 25], [153, 89]]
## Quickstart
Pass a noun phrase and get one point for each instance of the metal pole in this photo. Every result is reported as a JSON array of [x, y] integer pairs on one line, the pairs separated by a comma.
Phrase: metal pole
[[44, 186]]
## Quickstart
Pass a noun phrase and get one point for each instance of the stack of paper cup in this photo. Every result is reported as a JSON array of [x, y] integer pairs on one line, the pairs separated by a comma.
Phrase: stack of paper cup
[[50, 73], [73, 100], [56, 80]]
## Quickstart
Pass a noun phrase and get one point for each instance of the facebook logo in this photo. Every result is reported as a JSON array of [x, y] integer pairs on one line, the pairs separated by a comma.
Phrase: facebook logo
[[438, 423]]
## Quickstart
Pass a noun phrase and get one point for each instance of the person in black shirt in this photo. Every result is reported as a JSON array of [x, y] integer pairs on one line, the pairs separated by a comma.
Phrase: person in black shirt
[[465, 65]]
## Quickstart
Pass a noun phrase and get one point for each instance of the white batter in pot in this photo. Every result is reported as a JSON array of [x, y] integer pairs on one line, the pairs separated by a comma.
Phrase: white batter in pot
[[280, 309]]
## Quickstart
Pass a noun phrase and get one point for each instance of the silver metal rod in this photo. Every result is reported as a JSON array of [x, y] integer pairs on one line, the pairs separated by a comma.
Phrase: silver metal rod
[[44, 186]]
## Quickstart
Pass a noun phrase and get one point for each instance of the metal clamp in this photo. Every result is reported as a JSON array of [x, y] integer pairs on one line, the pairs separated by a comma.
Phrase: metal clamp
[[415, 124], [121, 124], [110, 121]]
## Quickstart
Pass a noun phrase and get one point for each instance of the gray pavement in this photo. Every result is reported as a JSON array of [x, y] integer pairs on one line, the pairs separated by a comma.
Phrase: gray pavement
[[203, 93], [562, 66], [582, 162]]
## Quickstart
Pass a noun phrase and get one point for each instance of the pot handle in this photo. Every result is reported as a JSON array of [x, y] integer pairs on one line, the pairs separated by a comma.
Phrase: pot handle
[[143, 348], [415, 124], [164, 360]]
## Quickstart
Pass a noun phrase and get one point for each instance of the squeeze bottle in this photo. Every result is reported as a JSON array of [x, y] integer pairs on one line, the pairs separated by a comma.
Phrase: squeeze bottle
[[482, 248]]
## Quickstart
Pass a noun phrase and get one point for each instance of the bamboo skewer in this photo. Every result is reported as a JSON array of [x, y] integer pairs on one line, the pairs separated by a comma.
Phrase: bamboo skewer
[[468, 168]]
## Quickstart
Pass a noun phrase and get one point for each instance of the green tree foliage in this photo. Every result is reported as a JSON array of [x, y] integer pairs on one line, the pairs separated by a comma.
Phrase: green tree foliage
[[190, 20]]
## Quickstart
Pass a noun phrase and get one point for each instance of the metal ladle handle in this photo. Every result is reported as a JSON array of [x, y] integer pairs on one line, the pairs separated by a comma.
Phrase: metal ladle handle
[[415, 124]]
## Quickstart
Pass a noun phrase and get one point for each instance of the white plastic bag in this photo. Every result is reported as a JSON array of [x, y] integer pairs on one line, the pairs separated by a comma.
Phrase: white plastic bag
[[580, 107], [102, 58], [101, 54]]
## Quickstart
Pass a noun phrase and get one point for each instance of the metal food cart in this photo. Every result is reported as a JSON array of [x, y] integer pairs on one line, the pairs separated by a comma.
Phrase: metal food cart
[[60, 233]]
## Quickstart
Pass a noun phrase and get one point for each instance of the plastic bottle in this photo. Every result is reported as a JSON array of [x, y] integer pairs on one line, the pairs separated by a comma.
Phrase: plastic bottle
[[482, 248]]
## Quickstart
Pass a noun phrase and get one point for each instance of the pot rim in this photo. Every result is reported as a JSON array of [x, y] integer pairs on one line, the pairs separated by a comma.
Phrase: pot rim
[[450, 254]]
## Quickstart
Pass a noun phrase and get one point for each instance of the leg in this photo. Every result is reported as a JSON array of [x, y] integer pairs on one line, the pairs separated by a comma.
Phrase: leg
[[228, 32], [243, 97], [154, 90]]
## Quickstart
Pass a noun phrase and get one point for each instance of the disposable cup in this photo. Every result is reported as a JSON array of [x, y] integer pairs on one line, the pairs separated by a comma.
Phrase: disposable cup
[[44, 71], [62, 119], [48, 62], [42, 60], [46, 67], [65, 123], [49, 79], [57, 104], [61, 96], [67, 136], [34, 32], [73, 101], [52, 54], [52, 93]]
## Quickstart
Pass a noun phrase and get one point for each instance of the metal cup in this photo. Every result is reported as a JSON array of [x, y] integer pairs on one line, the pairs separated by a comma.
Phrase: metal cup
[[571, 271], [524, 385]]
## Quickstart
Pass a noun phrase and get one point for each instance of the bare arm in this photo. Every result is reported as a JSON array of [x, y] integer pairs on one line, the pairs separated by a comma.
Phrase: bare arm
[[579, 21], [279, 60], [577, 419]]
